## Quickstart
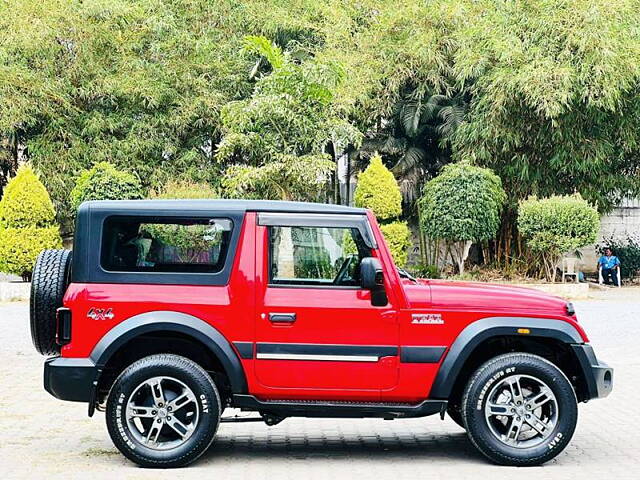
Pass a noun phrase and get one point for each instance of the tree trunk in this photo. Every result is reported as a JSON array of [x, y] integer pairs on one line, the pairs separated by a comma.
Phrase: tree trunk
[[461, 250]]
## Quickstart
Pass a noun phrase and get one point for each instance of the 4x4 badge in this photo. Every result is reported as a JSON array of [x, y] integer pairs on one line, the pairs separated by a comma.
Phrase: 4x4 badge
[[427, 319], [100, 313]]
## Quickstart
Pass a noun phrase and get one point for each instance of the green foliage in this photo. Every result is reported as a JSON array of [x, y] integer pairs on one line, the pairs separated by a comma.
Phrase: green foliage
[[285, 177], [275, 140], [138, 84], [544, 93], [103, 181], [185, 190], [463, 203], [555, 94], [26, 223], [627, 250], [423, 270], [19, 247], [460, 206], [398, 238], [25, 202], [556, 225], [378, 190]]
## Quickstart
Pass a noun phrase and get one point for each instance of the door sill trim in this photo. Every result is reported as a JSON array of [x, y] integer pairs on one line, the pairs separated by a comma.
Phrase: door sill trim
[[338, 409]]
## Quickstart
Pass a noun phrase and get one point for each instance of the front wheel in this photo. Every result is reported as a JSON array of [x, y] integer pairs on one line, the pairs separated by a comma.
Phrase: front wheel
[[163, 411], [519, 409]]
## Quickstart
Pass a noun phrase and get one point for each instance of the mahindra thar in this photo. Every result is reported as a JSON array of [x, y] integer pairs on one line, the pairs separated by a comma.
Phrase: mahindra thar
[[169, 311]]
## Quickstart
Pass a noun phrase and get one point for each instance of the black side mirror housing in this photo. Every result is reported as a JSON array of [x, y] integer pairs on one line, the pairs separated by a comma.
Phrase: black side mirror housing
[[372, 278]]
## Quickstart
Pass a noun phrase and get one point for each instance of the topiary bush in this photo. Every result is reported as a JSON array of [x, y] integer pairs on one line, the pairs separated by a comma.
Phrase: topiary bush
[[556, 225], [460, 206], [398, 239], [378, 191], [104, 181], [27, 223]]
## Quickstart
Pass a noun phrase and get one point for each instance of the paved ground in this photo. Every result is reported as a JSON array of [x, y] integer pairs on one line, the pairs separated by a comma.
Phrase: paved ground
[[41, 437]]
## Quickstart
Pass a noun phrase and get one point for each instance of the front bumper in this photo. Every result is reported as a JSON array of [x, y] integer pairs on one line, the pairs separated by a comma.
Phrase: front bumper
[[598, 375], [72, 379]]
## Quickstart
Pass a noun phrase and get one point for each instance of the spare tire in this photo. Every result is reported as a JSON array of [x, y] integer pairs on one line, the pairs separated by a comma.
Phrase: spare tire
[[51, 275]]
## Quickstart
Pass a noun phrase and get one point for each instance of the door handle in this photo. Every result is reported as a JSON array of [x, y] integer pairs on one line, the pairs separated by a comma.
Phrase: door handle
[[282, 317]]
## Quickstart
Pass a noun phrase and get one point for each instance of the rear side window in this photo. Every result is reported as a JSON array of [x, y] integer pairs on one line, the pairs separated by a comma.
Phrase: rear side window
[[156, 244]]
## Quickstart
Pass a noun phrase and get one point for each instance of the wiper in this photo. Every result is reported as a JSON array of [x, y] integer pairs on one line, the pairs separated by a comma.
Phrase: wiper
[[404, 274]]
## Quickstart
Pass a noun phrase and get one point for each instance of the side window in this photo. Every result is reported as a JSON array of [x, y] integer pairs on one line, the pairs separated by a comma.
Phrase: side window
[[325, 256], [179, 245]]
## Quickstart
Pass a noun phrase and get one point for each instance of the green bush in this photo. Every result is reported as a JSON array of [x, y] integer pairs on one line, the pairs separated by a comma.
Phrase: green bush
[[422, 270], [26, 203], [104, 182], [26, 223], [398, 239], [19, 247], [556, 225], [185, 190], [628, 251], [460, 206], [378, 190]]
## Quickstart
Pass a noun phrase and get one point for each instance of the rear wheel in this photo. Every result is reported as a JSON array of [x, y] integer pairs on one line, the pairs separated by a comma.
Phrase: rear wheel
[[519, 409], [163, 411]]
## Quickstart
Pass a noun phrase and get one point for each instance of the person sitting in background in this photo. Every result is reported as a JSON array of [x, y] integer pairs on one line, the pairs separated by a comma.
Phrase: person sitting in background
[[610, 265]]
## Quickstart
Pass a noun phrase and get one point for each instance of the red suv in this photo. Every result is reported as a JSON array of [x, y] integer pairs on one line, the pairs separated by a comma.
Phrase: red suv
[[171, 311]]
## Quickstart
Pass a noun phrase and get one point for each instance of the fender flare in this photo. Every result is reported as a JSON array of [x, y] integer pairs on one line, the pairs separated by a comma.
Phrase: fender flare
[[481, 330], [178, 322]]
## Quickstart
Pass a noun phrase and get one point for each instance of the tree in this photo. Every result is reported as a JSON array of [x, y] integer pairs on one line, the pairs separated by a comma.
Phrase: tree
[[460, 206], [378, 191], [556, 225], [27, 223], [138, 84], [103, 181], [275, 141], [548, 94]]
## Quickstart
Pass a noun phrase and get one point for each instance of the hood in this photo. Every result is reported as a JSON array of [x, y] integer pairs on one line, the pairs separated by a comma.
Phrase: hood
[[483, 296]]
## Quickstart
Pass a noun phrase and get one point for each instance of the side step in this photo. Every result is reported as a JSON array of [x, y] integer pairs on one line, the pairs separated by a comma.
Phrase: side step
[[338, 409]]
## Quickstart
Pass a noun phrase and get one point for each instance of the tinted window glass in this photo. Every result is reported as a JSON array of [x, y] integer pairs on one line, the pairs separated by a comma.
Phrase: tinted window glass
[[185, 245], [316, 256]]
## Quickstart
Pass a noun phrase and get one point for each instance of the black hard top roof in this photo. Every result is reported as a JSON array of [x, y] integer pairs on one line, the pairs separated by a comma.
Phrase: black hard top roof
[[158, 206]]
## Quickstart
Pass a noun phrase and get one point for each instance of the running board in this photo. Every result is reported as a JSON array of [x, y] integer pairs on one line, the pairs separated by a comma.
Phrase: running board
[[338, 409]]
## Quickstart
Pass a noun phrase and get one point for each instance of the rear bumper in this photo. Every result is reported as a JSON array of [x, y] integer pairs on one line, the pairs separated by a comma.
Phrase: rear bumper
[[597, 374], [70, 379]]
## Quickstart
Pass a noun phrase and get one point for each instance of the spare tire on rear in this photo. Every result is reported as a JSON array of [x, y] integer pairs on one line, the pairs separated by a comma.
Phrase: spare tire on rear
[[49, 281]]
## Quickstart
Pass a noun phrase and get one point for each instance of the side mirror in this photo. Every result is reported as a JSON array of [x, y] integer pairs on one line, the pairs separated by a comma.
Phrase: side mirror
[[372, 278]]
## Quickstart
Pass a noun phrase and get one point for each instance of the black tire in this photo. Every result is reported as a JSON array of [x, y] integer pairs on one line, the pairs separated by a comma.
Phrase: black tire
[[183, 370], [49, 282], [477, 394], [455, 413]]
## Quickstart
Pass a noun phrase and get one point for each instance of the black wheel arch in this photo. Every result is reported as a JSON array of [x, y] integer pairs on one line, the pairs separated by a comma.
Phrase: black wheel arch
[[172, 324], [500, 335]]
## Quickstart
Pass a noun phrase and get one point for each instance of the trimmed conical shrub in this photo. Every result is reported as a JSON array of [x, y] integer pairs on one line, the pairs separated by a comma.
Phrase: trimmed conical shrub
[[27, 223], [379, 191]]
